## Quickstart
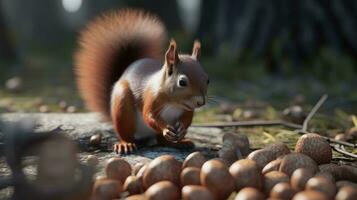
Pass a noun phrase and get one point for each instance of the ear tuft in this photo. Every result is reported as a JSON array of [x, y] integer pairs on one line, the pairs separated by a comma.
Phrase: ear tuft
[[196, 50], [171, 55]]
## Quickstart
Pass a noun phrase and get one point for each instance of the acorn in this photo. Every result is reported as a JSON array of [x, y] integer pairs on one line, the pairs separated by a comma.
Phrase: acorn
[[310, 195], [107, 189], [246, 173], [195, 159], [315, 146], [162, 190], [293, 161], [95, 140], [249, 193], [117, 168], [299, 178], [162, 168], [193, 192], [323, 185], [262, 157], [216, 177], [347, 193], [282, 191], [92, 160], [272, 166], [190, 176], [133, 185]]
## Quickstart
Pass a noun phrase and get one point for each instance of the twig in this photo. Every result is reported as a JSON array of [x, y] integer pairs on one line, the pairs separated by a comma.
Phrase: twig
[[312, 112], [337, 148], [250, 123]]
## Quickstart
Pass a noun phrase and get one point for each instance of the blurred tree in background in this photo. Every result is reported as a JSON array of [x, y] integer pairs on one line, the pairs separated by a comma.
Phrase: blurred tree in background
[[274, 36]]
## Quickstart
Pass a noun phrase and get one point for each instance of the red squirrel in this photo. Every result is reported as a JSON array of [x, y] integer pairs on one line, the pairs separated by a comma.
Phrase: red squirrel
[[122, 75]]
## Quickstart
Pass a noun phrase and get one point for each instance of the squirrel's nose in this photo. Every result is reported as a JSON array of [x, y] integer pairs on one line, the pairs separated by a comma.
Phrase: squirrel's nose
[[200, 101]]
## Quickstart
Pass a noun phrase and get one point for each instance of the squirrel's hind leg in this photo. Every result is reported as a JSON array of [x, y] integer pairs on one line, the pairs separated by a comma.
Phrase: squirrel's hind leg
[[123, 113]]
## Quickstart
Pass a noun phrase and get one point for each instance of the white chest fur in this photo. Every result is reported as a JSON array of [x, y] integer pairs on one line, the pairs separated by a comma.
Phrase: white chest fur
[[171, 113]]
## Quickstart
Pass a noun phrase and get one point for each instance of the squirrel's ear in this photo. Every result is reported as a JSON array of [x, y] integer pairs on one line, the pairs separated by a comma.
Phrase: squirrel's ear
[[196, 50], [171, 55]]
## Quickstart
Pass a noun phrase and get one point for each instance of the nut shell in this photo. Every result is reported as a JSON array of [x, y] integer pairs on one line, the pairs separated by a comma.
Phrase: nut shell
[[133, 185], [193, 192], [216, 177], [190, 176], [272, 166], [195, 159], [117, 168], [310, 195], [347, 193], [293, 161], [282, 191], [299, 178], [162, 190], [249, 193], [314, 146], [273, 178], [323, 185], [246, 173], [107, 189], [163, 168], [262, 157]]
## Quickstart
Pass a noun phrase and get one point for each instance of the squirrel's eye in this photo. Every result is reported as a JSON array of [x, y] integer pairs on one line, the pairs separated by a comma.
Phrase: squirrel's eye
[[182, 81]]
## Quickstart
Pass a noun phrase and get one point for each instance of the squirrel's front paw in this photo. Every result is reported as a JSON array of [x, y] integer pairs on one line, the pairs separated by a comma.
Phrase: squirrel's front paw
[[175, 134], [124, 147]]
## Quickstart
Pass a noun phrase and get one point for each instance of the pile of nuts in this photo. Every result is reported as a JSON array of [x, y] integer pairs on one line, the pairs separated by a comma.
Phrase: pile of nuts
[[273, 172]]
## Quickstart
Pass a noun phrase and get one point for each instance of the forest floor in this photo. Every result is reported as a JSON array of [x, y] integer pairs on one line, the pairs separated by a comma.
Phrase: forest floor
[[49, 95]]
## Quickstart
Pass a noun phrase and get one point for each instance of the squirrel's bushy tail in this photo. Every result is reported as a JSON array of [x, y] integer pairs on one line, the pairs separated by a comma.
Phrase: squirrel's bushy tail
[[108, 46]]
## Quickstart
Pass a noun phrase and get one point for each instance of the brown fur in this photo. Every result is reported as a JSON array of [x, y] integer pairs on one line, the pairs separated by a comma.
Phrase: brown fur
[[107, 46]]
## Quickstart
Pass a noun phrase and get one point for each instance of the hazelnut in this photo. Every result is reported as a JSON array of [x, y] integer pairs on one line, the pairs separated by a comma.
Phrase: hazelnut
[[323, 185], [249, 193], [310, 195], [273, 178], [193, 192], [347, 193], [162, 190], [190, 176], [282, 191], [299, 178], [293, 161], [95, 140], [272, 166], [162, 168], [262, 157], [107, 189], [314, 146], [216, 177], [137, 168], [195, 159], [117, 168], [133, 185], [246, 174]]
